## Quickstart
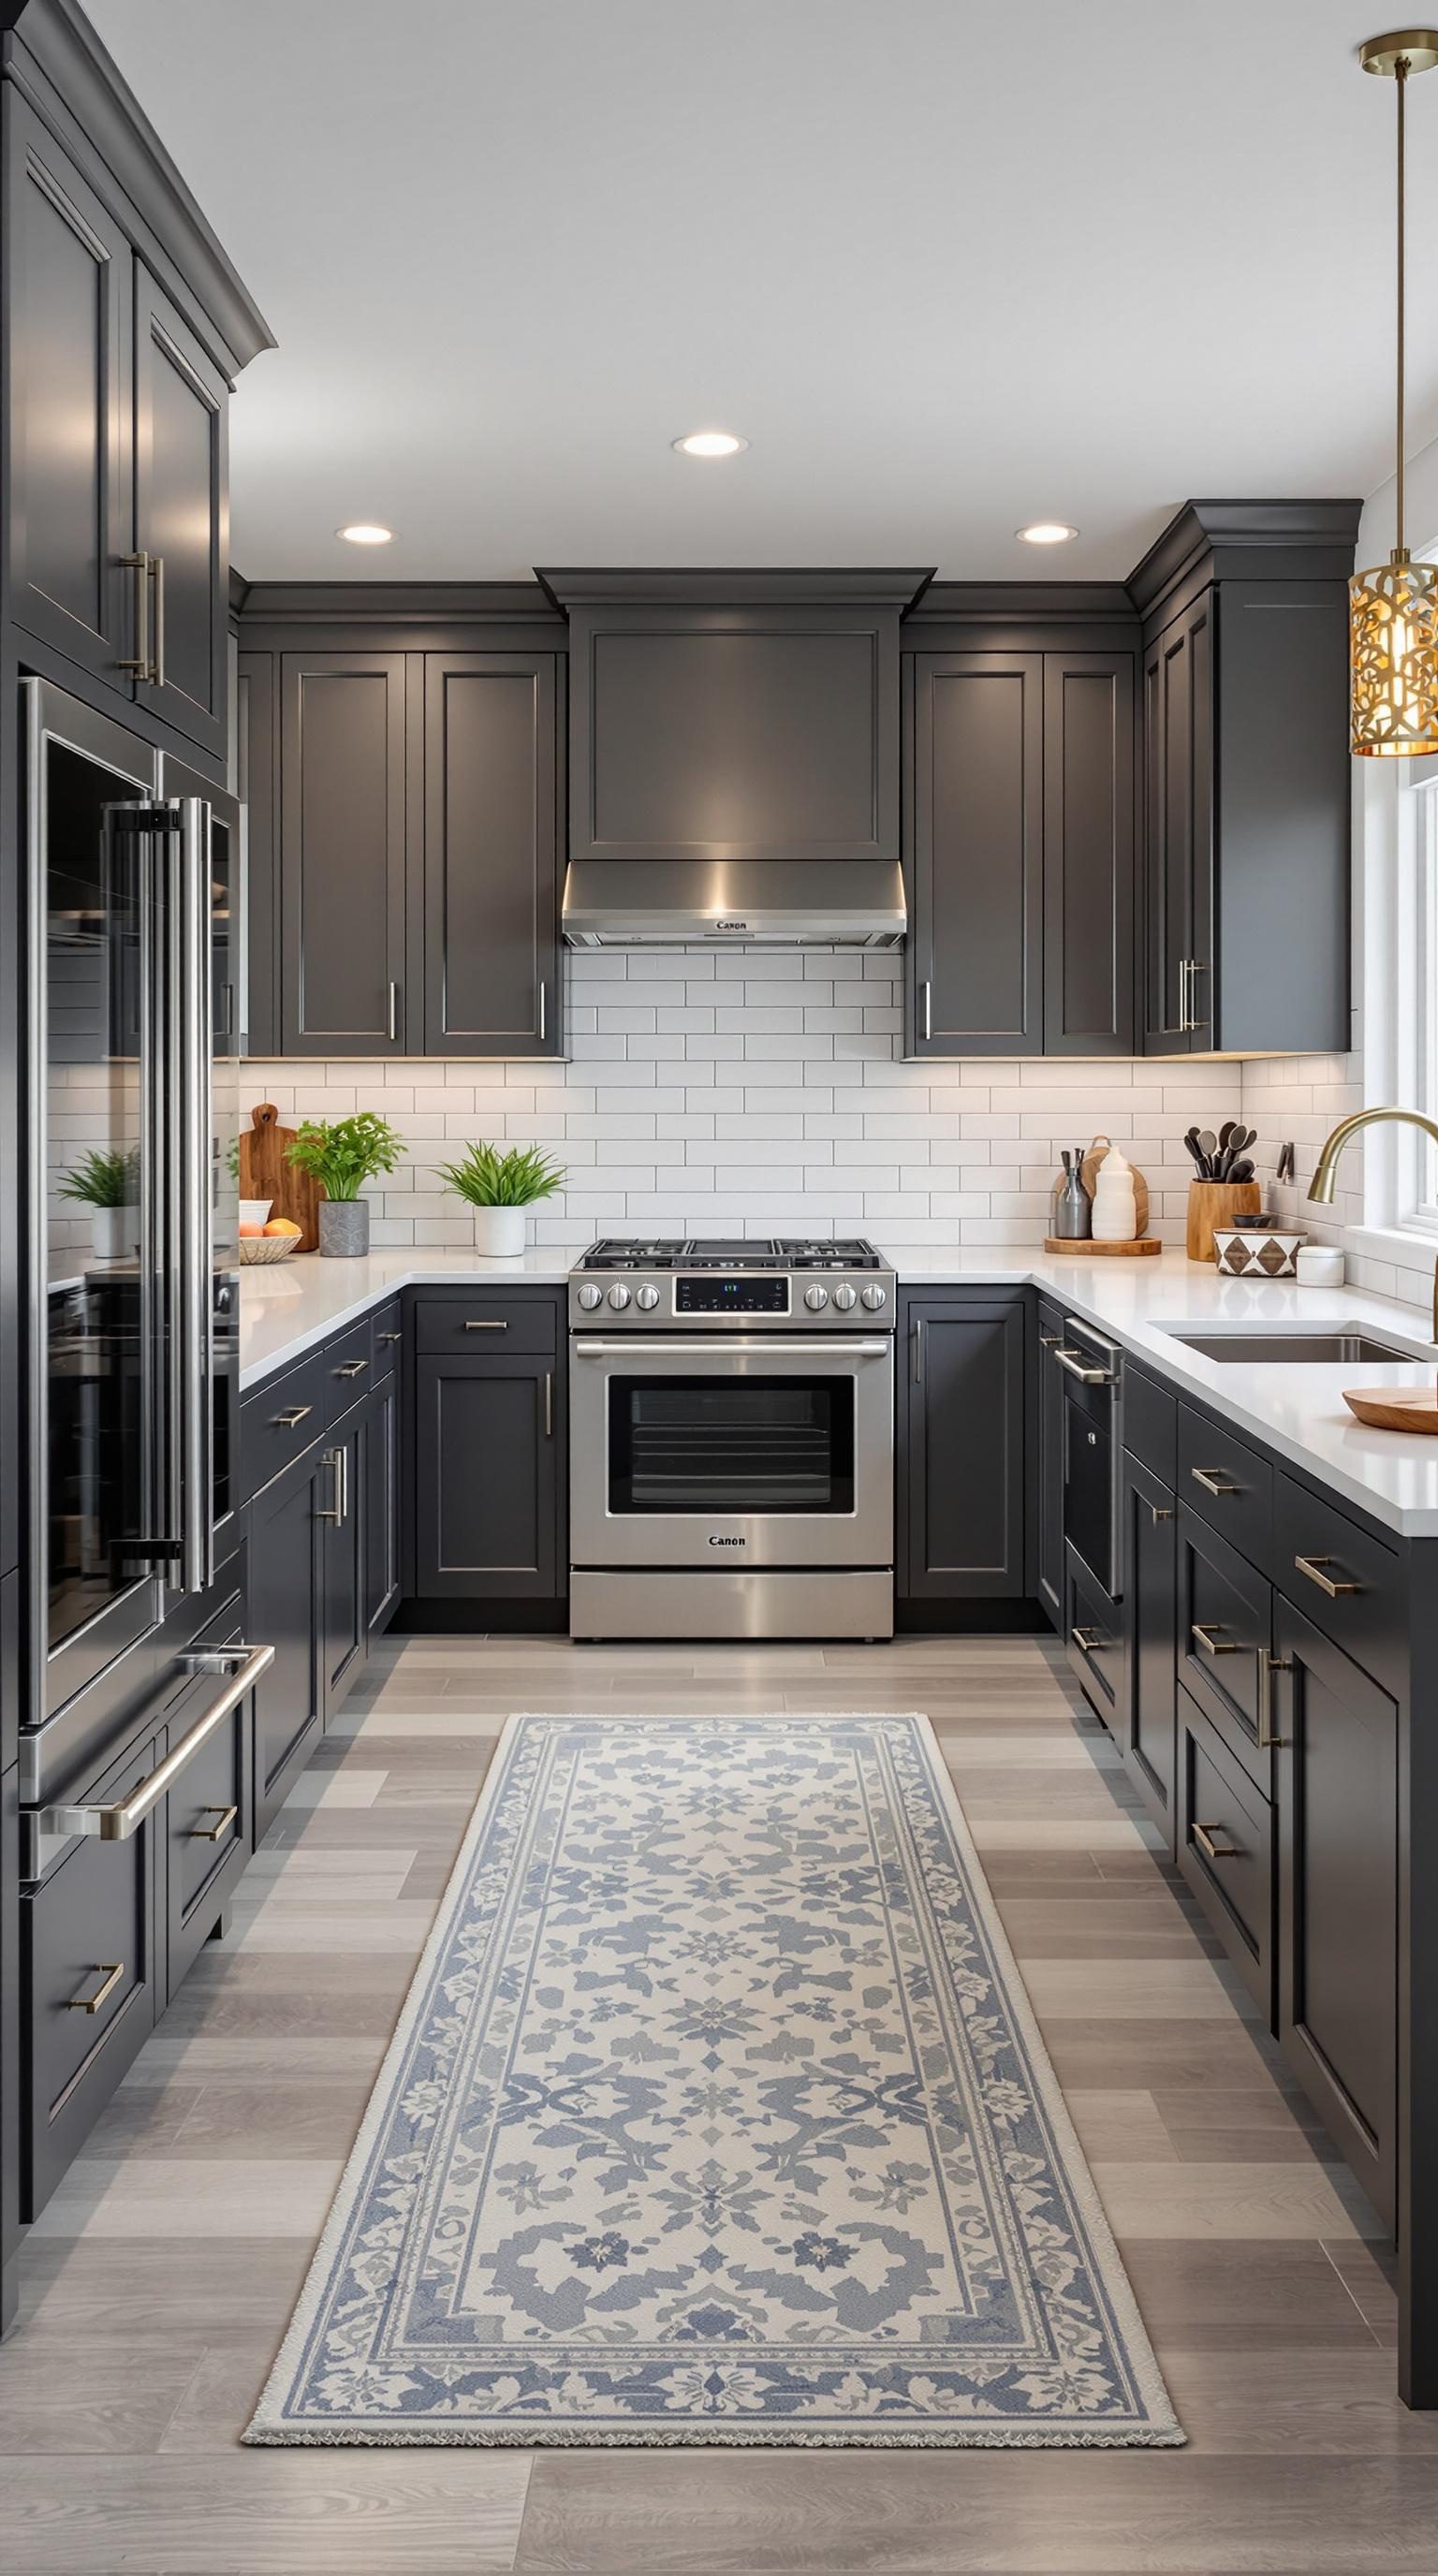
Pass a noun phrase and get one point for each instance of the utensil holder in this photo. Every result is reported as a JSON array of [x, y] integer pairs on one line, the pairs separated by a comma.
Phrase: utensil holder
[[1217, 1203]]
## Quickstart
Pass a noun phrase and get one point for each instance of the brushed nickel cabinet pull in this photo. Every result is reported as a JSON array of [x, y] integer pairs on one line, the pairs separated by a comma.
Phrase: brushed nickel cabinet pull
[[243, 1666], [393, 1012], [1208, 1637], [1313, 1566], [292, 1414], [352, 1368], [549, 1404], [916, 1350], [157, 658], [1203, 1836], [1159, 1512], [110, 1971], [334, 1458], [1213, 1480], [1268, 1737], [139, 662], [483, 1324], [1050, 1341], [1071, 1361], [389, 1337], [1085, 1638], [543, 1012], [213, 1833], [926, 992]]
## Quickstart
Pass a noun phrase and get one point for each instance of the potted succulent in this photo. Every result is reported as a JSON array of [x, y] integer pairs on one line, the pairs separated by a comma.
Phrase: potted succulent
[[342, 1154], [500, 1187], [107, 1181]]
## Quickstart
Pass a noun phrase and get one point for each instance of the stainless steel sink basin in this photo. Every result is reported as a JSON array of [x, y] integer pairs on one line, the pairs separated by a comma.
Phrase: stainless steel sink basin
[[1248, 1350]]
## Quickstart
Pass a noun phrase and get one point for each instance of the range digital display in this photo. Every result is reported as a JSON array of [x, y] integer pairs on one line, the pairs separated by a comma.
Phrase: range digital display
[[731, 1296]]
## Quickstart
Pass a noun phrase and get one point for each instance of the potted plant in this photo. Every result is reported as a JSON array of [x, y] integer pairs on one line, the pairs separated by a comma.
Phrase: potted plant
[[500, 1187], [107, 1181], [342, 1154]]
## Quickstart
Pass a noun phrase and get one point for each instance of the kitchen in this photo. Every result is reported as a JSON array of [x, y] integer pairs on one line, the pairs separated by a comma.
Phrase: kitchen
[[718, 1473]]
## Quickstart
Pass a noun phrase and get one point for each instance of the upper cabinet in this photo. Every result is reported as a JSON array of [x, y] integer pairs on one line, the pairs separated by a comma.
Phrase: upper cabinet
[[1019, 850], [404, 840], [126, 327], [1246, 779], [743, 715]]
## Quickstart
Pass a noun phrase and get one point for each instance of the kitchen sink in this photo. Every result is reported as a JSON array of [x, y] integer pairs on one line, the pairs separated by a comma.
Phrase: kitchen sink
[[1247, 1350]]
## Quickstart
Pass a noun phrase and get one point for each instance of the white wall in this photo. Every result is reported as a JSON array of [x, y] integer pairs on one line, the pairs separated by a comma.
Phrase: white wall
[[762, 1092]]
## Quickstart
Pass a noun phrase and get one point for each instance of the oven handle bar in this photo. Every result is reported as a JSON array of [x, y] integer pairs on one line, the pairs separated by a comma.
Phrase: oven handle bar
[[679, 1346]]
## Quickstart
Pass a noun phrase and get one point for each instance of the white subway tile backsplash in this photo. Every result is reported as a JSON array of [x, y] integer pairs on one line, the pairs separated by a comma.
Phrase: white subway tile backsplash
[[763, 1092]]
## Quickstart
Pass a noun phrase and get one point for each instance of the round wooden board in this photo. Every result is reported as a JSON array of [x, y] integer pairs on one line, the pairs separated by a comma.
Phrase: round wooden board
[[1395, 1408], [1104, 1251]]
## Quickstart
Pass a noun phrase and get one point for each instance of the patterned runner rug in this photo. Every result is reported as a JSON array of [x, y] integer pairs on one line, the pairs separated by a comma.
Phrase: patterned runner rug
[[717, 2113]]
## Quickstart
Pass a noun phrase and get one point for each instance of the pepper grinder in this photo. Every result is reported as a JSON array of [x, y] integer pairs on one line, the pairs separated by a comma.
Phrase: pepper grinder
[[1073, 1211]]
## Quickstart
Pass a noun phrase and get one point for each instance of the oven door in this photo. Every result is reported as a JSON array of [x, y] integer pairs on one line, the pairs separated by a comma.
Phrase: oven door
[[746, 1451]]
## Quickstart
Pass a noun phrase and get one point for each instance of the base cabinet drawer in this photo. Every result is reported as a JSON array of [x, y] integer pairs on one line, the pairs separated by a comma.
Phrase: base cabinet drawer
[[209, 1832], [1224, 1847], [1338, 1876], [1230, 1484], [1344, 1579], [278, 1424], [1224, 1634], [1094, 1637], [91, 1974], [484, 1325]]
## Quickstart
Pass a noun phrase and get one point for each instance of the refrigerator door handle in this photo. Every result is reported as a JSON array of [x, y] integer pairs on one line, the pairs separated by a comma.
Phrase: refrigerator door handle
[[193, 1346]]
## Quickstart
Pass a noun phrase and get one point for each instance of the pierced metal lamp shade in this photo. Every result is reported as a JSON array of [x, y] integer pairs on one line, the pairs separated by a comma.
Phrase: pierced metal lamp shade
[[1393, 650]]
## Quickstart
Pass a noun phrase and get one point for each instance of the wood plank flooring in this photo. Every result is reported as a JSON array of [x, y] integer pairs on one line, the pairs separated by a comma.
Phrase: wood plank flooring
[[161, 2277]]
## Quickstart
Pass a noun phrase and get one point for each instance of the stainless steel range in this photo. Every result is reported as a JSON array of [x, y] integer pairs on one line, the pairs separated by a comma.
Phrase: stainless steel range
[[731, 1440]]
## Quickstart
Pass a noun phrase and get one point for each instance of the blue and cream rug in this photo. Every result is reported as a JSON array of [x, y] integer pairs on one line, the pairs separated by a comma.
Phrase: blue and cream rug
[[717, 2113]]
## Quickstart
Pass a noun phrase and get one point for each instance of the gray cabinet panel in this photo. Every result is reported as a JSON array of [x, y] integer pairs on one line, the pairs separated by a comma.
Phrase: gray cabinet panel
[[976, 862], [486, 1447], [342, 853], [68, 518], [491, 895], [379, 1484], [182, 518], [1088, 853], [1049, 1517], [343, 1558], [256, 779], [962, 1440], [286, 1612], [1150, 1689]]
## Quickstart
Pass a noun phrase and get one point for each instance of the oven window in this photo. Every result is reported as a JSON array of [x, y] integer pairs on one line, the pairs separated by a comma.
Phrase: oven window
[[705, 1444]]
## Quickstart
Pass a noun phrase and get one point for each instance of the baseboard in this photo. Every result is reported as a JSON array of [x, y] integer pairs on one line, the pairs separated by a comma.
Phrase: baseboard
[[1023, 1618], [480, 1618]]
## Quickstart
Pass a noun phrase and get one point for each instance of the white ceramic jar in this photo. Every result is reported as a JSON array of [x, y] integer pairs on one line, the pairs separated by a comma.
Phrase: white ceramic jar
[[1320, 1265]]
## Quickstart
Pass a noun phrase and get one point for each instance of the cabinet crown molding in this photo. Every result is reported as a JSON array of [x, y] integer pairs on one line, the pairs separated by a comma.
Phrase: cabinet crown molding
[[717, 587], [1248, 540]]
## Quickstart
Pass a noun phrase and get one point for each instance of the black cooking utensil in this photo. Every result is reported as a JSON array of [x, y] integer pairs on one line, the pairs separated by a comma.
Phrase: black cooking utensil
[[1242, 1171]]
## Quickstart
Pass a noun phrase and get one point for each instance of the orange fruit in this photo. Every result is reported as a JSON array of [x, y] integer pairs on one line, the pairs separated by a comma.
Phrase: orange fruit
[[282, 1225], [252, 1229]]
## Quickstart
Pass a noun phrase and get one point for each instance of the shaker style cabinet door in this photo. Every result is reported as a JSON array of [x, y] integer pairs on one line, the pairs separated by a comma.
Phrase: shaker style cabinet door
[[975, 830], [69, 284], [1049, 1515], [491, 887], [1088, 853], [285, 1609], [182, 520], [1147, 1736], [342, 855], [479, 1533], [1178, 701], [961, 1404]]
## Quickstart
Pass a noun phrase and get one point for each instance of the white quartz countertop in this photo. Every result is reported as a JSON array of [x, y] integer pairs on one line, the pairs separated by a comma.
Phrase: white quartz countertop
[[1297, 1410]]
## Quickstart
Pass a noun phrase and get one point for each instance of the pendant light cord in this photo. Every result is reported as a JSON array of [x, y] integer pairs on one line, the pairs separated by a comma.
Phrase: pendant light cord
[[1401, 84]]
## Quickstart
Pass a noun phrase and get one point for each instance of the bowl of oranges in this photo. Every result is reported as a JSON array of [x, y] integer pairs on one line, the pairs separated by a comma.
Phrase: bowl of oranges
[[264, 1237]]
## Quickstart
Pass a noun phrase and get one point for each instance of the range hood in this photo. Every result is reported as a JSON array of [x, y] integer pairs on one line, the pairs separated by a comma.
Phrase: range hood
[[734, 903]]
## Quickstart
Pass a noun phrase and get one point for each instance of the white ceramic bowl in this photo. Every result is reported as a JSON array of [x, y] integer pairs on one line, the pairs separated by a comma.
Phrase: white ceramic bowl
[[255, 1211]]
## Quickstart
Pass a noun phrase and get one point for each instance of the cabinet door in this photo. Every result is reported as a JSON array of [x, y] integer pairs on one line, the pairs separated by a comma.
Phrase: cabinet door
[[256, 776], [1150, 1686], [182, 519], [486, 1478], [1178, 833], [69, 284], [285, 1611], [208, 1817], [1088, 853], [1338, 1897], [379, 1490], [342, 854], [342, 1558], [491, 889], [962, 1418], [975, 826], [1050, 1514]]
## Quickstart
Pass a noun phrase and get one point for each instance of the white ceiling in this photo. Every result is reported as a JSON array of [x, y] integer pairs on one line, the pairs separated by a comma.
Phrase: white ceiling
[[949, 265]]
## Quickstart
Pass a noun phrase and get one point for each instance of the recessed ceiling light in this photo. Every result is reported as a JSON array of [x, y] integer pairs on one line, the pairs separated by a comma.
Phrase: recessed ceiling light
[[710, 442], [1046, 532], [366, 532]]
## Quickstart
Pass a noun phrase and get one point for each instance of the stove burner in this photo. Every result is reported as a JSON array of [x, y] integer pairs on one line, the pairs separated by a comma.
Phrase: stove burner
[[761, 1252]]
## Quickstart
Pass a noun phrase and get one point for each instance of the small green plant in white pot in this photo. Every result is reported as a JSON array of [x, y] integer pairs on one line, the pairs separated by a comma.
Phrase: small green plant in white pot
[[107, 1182], [342, 1154], [501, 1187]]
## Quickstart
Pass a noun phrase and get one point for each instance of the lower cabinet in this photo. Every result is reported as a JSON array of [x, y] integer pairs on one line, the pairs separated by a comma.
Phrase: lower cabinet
[[1049, 1501], [1148, 1701], [209, 1813], [1337, 1805], [962, 1437], [1094, 1636], [488, 1493], [286, 1612], [1224, 1848], [343, 1556], [379, 1485]]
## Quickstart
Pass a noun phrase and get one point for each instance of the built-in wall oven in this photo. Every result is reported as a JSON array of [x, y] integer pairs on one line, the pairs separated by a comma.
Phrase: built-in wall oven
[[731, 1441], [131, 1225], [1093, 1452]]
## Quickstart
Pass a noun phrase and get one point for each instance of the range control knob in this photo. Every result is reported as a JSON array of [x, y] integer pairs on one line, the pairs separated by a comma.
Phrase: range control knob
[[619, 1294], [816, 1296], [875, 1296], [647, 1298], [590, 1296], [845, 1297]]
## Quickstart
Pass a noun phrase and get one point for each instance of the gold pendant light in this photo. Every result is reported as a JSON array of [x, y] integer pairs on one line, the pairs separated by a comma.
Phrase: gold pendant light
[[1393, 610]]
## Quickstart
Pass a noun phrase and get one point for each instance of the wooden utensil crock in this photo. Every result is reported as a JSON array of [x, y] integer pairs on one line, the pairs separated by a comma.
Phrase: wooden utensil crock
[[1212, 1203]]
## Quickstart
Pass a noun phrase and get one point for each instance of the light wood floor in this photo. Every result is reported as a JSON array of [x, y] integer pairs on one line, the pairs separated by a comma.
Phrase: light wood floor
[[161, 2277]]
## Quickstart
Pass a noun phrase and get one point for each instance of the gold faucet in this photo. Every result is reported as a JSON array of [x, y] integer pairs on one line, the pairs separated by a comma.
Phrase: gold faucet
[[1321, 1185]]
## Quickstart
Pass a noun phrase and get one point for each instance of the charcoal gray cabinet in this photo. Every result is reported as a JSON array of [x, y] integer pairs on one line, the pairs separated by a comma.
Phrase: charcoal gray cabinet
[[1019, 846], [209, 1813], [1049, 1506], [1338, 1878], [1178, 713], [379, 1485], [488, 1488], [491, 850], [181, 519], [343, 984], [256, 780], [1148, 1701], [286, 1603], [343, 1556], [962, 1432]]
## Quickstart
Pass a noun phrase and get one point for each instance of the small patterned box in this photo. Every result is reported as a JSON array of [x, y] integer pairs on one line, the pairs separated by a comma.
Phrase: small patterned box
[[1256, 1252]]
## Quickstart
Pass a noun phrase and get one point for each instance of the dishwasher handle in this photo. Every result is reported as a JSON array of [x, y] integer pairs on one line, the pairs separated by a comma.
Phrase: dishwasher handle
[[116, 1823]]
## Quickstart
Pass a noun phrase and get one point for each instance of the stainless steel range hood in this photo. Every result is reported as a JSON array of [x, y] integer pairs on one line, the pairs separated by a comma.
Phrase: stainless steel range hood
[[779, 903]]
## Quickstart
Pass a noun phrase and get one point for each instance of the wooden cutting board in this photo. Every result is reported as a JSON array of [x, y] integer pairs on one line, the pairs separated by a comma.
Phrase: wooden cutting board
[[265, 1174], [1395, 1408]]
